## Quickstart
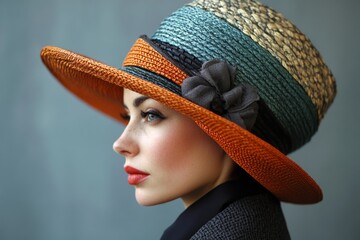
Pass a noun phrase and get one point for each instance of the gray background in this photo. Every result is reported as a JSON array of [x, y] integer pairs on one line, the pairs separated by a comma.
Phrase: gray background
[[60, 179]]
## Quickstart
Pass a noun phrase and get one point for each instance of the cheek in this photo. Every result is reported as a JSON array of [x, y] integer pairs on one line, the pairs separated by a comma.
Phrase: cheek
[[180, 158], [167, 148], [183, 149]]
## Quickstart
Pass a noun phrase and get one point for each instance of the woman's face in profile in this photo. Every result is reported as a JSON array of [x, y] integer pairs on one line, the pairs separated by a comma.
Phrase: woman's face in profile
[[167, 155]]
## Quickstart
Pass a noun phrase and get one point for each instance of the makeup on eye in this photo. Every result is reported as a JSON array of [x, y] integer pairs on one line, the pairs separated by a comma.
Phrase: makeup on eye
[[149, 115], [152, 115], [125, 116]]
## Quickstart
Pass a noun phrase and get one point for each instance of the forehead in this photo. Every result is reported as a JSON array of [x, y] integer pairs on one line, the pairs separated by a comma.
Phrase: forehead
[[128, 94], [135, 99]]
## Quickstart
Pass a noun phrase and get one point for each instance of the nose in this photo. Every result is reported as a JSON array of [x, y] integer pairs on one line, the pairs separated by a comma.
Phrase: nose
[[126, 144]]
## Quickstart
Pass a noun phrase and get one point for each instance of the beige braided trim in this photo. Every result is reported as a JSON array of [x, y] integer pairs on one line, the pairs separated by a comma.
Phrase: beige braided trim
[[284, 41]]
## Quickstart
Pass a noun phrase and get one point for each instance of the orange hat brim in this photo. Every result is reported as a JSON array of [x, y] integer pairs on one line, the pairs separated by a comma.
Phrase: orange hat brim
[[101, 86]]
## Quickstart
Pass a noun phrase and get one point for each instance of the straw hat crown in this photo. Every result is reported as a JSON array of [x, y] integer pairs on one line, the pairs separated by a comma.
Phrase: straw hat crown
[[269, 52]]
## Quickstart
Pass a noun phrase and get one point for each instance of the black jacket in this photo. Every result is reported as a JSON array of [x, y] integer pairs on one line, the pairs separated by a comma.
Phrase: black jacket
[[232, 210], [255, 217]]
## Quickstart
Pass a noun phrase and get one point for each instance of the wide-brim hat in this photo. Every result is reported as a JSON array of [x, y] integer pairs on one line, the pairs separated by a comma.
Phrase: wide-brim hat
[[268, 52]]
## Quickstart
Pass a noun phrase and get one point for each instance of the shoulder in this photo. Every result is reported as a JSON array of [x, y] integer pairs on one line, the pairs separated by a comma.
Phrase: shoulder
[[254, 217]]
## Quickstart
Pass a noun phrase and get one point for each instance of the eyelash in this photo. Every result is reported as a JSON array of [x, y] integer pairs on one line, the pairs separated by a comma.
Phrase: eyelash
[[146, 115], [125, 116]]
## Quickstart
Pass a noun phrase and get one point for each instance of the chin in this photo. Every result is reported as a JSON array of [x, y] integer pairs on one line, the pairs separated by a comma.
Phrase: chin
[[148, 200]]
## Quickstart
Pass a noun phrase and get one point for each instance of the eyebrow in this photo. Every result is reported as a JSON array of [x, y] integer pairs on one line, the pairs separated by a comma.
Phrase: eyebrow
[[138, 101]]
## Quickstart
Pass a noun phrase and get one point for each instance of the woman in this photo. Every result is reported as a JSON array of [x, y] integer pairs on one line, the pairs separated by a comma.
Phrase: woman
[[213, 102]]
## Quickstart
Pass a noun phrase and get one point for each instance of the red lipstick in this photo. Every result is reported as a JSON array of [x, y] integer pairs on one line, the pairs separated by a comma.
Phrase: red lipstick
[[135, 176]]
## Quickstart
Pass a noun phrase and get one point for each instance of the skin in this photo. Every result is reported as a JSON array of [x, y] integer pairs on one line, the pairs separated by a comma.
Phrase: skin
[[181, 160]]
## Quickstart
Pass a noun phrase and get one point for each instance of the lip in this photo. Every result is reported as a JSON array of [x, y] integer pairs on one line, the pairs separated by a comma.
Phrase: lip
[[135, 176]]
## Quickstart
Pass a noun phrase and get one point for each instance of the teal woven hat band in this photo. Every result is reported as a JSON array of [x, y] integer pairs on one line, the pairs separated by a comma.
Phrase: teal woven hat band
[[283, 40], [295, 86]]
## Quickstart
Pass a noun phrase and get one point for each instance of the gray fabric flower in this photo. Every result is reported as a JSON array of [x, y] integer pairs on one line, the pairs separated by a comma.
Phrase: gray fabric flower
[[213, 88]]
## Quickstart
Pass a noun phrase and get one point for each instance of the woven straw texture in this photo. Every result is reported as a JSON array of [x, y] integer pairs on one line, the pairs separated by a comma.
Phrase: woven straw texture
[[101, 86], [205, 36], [268, 52], [284, 41], [143, 56]]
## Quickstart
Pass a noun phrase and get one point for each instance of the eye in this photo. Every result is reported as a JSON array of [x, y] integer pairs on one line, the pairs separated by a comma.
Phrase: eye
[[151, 115], [125, 116]]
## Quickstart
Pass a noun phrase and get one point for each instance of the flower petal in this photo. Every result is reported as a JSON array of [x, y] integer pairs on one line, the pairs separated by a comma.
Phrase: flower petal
[[213, 88]]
